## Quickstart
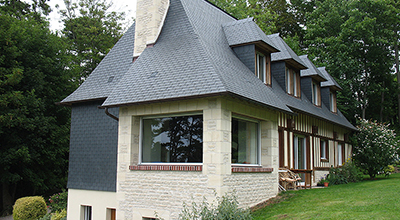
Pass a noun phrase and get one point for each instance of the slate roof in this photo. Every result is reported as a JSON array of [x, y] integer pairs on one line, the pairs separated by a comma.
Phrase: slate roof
[[331, 81], [193, 58], [245, 31], [312, 70], [107, 74], [286, 53]]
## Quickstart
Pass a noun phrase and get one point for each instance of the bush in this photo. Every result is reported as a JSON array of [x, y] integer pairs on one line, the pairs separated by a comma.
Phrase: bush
[[346, 174], [374, 147], [29, 208], [58, 202], [60, 215], [227, 208]]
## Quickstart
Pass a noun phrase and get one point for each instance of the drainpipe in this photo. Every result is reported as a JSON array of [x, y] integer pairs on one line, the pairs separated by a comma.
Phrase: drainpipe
[[111, 115]]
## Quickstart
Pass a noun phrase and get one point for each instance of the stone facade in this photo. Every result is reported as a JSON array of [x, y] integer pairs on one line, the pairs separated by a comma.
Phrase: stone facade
[[142, 193]]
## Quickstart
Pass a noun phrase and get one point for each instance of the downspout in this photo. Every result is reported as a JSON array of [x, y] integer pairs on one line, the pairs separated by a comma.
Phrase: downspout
[[111, 115]]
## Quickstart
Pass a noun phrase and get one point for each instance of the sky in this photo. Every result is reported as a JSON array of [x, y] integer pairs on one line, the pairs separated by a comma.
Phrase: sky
[[127, 6]]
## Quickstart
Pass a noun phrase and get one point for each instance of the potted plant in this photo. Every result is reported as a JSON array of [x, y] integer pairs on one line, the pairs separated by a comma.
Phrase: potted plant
[[326, 183]]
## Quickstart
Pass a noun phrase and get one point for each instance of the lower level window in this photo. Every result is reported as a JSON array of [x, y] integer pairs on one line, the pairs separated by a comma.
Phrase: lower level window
[[87, 212], [324, 149], [174, 139], [244, 141]]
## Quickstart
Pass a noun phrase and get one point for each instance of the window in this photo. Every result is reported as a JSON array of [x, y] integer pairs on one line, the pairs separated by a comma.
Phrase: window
[[111, 214], [245, 141], [340, 154], [87, 212], [316, 96], [292, 82], [172, 139], [332, 101], [263, 71], [324, 150], [299, 149]]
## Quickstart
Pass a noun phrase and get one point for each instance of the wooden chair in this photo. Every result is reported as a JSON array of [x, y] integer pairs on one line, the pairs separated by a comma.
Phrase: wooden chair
[[289, 179]]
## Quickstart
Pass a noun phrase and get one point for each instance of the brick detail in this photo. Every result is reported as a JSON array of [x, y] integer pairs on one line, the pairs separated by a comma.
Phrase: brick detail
[[168, 167], [252, 170]]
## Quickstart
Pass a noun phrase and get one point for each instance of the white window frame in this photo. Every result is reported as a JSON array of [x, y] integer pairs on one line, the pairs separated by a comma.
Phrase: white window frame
[[323, 149], [315, 93], [261, 59], [296, 149], [87, 212], [258, 141], [164, 116]]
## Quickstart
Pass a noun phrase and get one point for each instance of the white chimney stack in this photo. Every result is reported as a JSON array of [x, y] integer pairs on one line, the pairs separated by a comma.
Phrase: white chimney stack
[[150, 16]]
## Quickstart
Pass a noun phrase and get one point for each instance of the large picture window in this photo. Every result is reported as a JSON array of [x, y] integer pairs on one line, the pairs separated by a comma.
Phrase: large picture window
[[173, 139], [245, 143]]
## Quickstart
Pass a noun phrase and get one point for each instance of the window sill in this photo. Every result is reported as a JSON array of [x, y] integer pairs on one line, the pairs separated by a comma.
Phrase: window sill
[[324, 160], [167, 167], [246, 169]]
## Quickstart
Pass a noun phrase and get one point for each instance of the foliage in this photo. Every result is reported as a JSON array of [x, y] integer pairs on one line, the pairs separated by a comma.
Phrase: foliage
[[46, 217], [388, 170], [34, 131], [29, 208], [353, 40], [91, 32], [375, 147], [348, 173], [58, 201], [362, 200], [227, 208], [59, 215]]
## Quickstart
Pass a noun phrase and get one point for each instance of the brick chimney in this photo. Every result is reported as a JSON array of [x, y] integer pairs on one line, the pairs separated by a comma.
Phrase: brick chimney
[[150, 16]]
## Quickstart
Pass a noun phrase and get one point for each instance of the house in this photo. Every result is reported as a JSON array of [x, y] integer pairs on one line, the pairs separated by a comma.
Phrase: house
[[193, 103]]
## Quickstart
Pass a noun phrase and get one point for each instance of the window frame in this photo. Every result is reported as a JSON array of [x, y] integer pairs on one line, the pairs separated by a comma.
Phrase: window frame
[[324, 158], [87, 212], [140, 161], [258, 140], [333, 101], [266, 79], [292, 78], [316, 93]]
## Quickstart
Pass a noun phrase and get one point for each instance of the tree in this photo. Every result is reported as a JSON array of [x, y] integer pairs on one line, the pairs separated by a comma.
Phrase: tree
[[34, 132], [352, 39], [375, 147], [91, 32]]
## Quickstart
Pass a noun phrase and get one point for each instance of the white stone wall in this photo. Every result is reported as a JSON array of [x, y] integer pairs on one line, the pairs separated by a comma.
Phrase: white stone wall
[[252, 188], [143, 193], [100, 201], [318, 175]]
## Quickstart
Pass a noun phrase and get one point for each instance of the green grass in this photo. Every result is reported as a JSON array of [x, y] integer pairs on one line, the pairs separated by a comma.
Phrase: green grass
[[370, 199]]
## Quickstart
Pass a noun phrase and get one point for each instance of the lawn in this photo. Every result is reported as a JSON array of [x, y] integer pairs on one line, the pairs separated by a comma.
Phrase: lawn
[[370, 199]]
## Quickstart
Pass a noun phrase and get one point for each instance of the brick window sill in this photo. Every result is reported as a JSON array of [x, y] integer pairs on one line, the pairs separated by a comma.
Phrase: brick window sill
[[167, 167], [236, 169]]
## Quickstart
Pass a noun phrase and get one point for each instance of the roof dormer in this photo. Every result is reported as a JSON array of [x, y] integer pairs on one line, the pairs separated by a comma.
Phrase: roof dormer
[[286, 66], [311, 79], [329, 90], [251, 46]]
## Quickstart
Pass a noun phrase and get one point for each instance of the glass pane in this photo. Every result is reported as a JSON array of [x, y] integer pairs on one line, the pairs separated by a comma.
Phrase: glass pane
[[244, 142], [173, 139], [261, 67]]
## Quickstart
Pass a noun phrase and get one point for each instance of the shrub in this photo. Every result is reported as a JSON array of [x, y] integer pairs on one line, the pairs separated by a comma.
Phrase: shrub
[[374, 147], [227, 208], [58, 201], [29, 208], [346, 174], [60, 215]]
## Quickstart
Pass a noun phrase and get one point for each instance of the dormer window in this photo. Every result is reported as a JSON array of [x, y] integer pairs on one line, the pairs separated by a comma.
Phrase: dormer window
[[316, 93], [332, 101], [263, 68], [292, 82]]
